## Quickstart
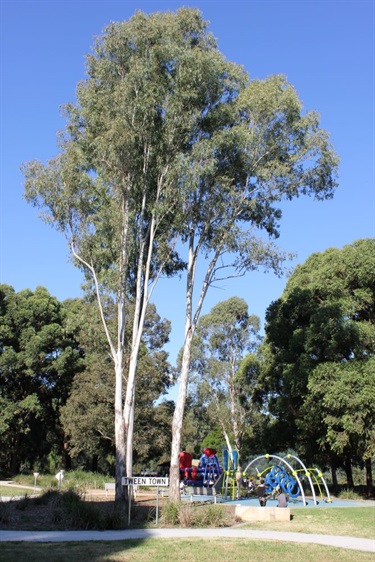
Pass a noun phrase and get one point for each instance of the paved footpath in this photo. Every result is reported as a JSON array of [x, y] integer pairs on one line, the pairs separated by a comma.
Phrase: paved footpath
[[354, 543]]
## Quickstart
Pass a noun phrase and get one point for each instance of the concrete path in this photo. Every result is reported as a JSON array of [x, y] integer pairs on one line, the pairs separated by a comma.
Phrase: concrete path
[[12, 483], [354, 543]]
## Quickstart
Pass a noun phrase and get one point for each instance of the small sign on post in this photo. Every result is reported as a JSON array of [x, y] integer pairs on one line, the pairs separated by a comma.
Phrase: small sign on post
[[146, 481], [59, 477], [36, 474]]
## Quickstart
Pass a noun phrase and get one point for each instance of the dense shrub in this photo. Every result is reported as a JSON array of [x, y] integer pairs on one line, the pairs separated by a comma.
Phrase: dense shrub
[[195, 515]]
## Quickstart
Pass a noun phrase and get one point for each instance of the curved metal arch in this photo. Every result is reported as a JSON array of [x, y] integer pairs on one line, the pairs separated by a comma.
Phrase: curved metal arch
[[307, 474], [267, 456], [320, 474]]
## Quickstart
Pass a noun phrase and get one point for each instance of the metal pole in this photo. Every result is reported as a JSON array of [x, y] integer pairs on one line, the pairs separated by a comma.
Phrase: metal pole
[[129, 504], [36, 474], [157, 504]]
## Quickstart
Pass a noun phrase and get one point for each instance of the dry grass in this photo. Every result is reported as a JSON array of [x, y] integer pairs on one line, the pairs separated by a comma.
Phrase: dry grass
[[97, 511]]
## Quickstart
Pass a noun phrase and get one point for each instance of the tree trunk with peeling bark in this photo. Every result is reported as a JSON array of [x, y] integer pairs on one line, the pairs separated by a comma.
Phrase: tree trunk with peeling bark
[[178, 417]]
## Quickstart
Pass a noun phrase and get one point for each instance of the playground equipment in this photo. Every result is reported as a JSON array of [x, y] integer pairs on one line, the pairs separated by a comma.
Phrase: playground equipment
[[290, 482], [209, 474], [232, 475], [289, 473], [206, 474]]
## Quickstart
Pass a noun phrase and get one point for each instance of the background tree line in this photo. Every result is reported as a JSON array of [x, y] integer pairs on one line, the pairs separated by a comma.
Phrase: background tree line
[[56, 397], [309, 385]]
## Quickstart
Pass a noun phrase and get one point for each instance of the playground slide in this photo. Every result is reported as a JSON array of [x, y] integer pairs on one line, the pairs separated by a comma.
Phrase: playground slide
[[219, 483]]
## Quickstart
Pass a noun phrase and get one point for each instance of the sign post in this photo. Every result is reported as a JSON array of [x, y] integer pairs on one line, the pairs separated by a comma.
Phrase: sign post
[[59, 477], [157, 504], [36, 474], [145, 481]]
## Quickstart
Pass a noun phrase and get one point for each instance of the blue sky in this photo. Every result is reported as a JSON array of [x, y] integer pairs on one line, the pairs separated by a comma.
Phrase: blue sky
[[325, 48]]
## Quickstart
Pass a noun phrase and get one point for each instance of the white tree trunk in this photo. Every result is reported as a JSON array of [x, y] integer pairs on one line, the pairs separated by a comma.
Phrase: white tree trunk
[[234, 410], [128, 414], [120, 434], [227, 441], [190, 326], [143, 295], [129, 443], [178, 416], [117, 354]]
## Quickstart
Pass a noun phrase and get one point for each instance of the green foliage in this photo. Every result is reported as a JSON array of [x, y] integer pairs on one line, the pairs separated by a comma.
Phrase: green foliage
[[47, 497], [317, 367], [198, 428], [77, 513], [54, 462], [212, 516], [73, 479], [345, 394], [88, 413], [39, 356], [170, 513], [185, 515], [214, 439], [349, 495], [41, 418], [153, 84], [70, 510], [23, 503], [194, 515], [222, 338]]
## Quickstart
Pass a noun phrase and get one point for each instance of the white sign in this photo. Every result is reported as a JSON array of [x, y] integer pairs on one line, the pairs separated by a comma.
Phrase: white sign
[[145, 481]]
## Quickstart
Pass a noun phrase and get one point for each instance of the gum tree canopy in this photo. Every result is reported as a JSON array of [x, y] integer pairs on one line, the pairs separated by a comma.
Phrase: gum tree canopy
[[167, 142], [222, 338]]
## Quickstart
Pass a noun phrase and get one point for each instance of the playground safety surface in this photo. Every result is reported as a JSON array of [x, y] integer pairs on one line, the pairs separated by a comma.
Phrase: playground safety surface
[[253, 501]]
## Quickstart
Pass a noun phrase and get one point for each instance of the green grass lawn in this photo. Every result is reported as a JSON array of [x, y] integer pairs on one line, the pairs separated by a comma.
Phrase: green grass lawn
[[9, 490], [186, 550], [345, 521], [355, 521]]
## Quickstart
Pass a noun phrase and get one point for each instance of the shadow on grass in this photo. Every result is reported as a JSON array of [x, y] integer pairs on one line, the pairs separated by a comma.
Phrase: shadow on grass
[[67, 510]]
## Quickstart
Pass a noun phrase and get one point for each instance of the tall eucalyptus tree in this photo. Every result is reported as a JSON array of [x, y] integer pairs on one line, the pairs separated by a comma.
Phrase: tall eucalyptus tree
[[153, 85], [168, 139], [262, 149]]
